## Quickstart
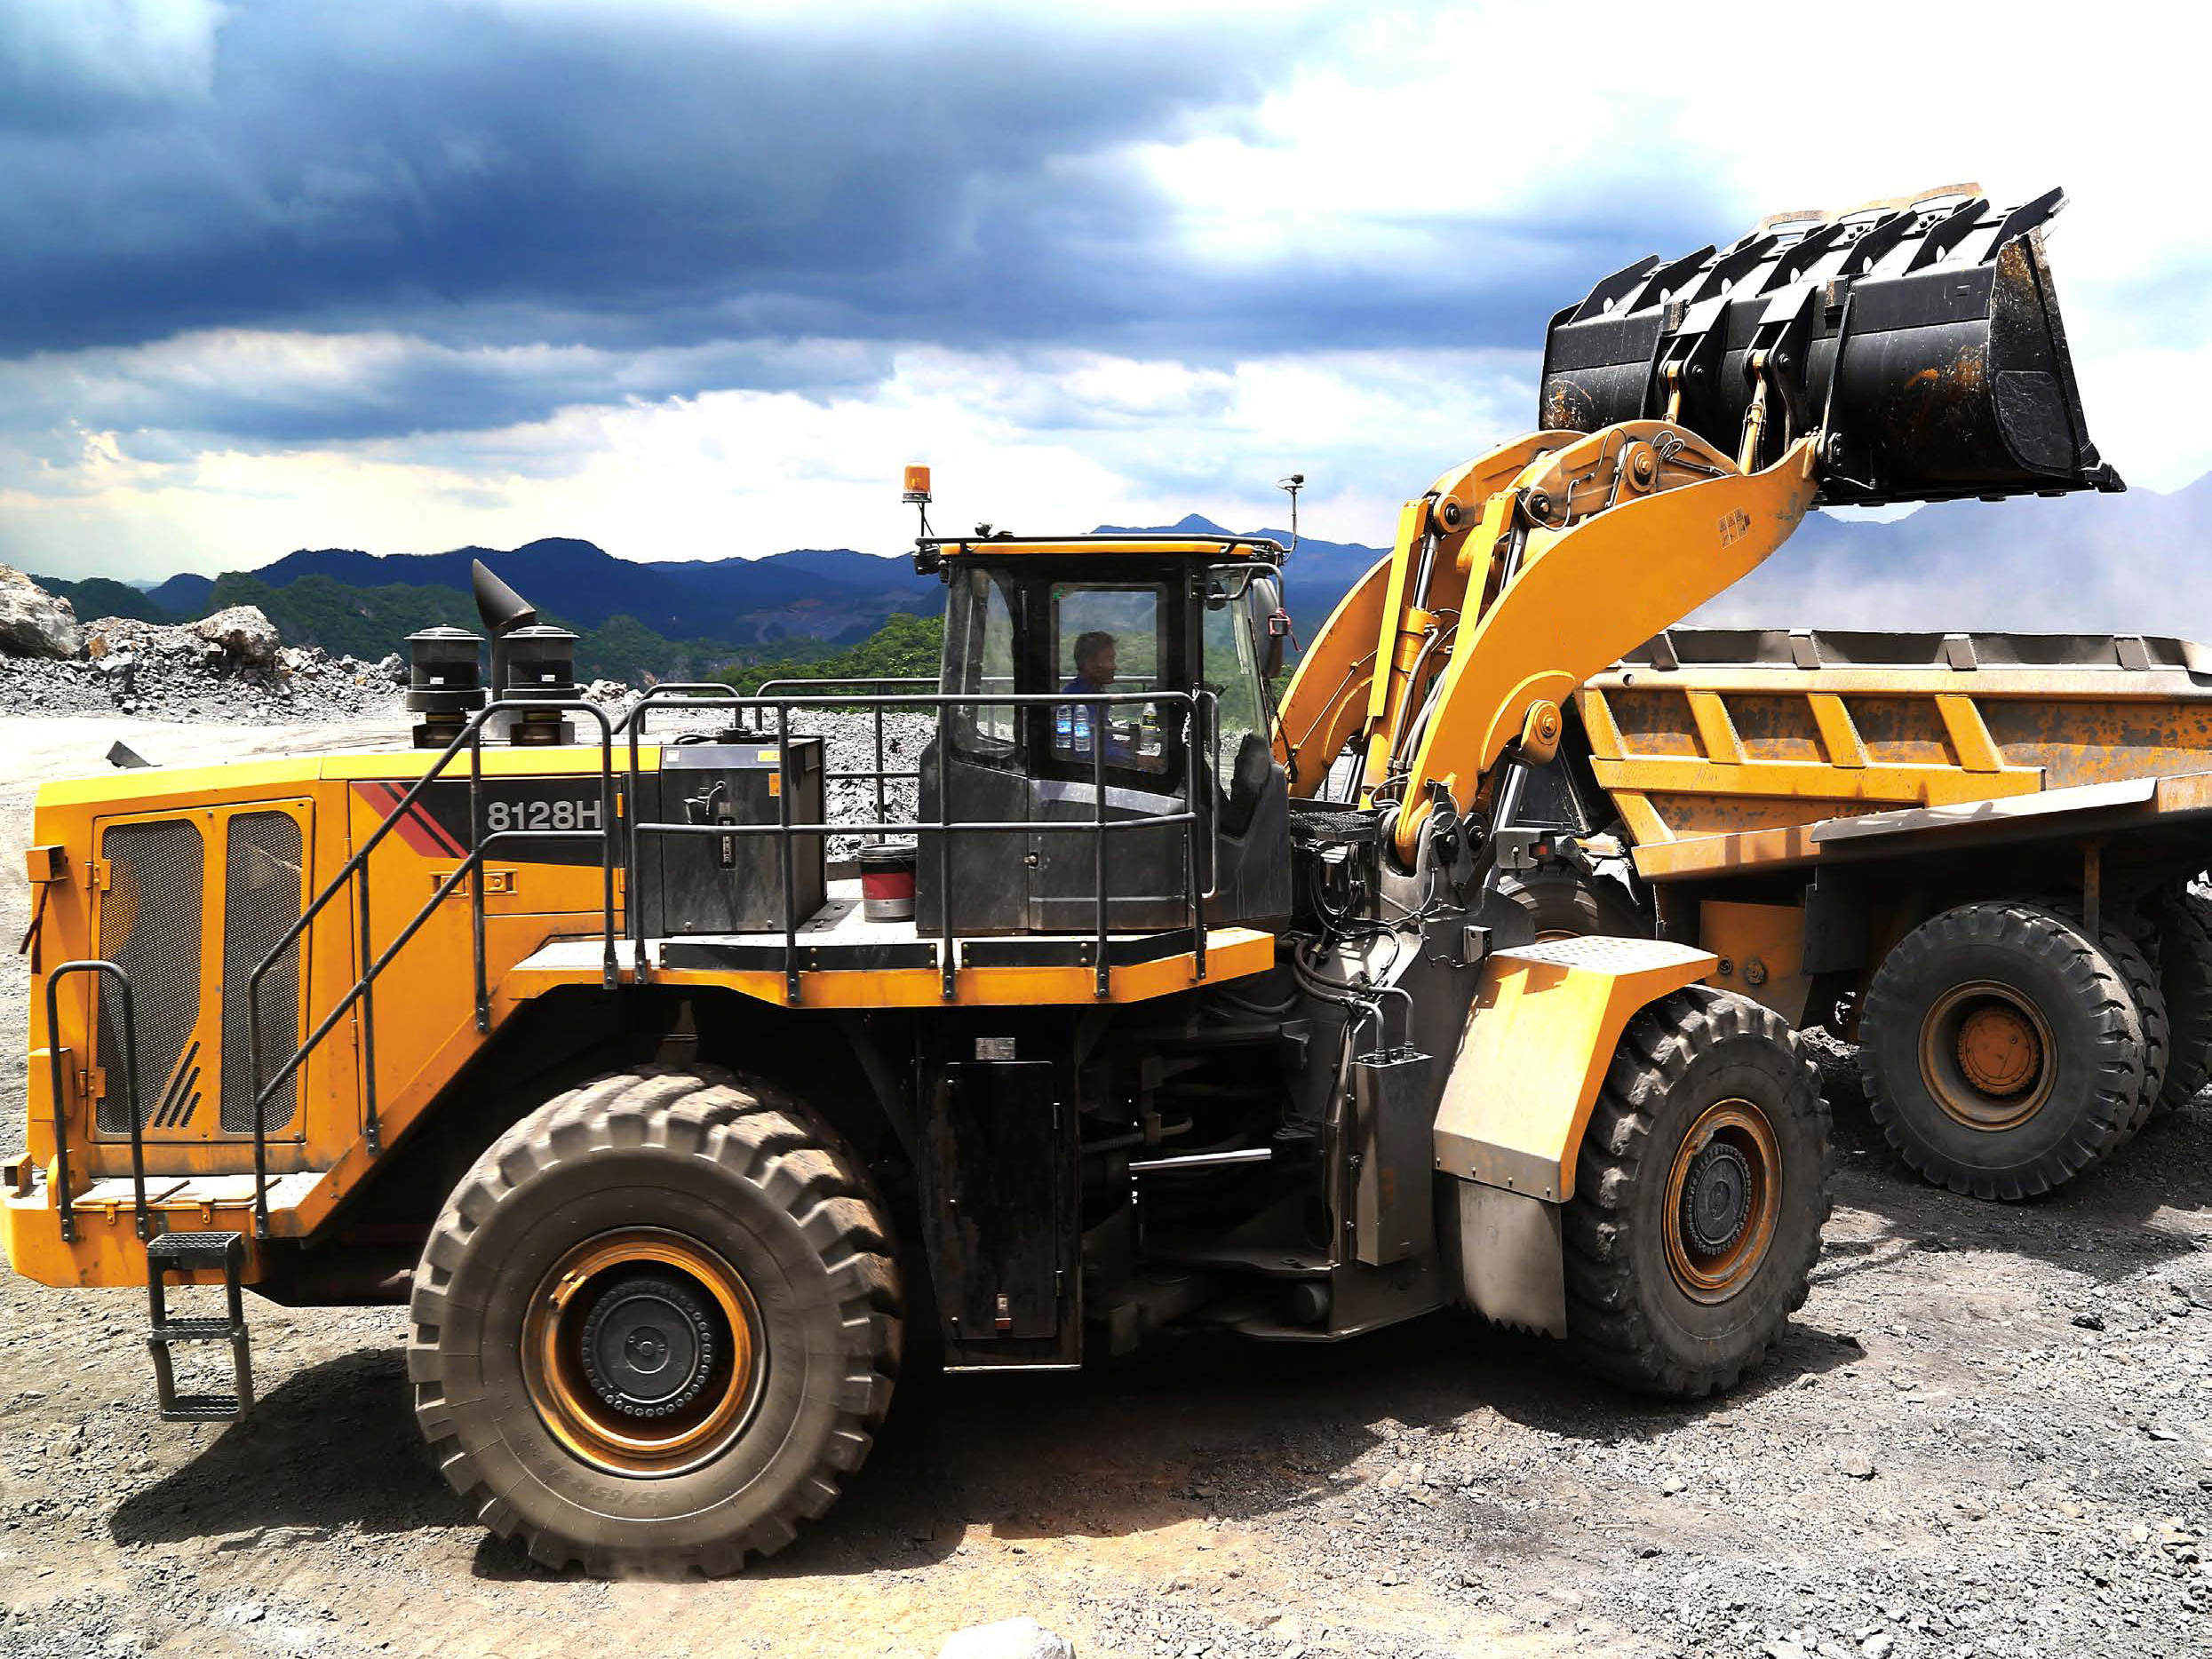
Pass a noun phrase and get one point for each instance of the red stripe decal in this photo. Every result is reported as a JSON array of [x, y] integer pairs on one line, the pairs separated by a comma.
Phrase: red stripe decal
[[382, 797]]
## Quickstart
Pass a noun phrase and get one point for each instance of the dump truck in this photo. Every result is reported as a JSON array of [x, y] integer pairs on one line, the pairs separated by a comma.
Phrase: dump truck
[[1971, 853], [681, 1143]]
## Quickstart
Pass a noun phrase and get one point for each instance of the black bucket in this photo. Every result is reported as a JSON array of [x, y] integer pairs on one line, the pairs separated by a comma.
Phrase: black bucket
[[1923, 337]]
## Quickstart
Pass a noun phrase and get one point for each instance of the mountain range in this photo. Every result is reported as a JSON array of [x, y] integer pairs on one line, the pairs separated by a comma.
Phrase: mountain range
[[2129, 562]]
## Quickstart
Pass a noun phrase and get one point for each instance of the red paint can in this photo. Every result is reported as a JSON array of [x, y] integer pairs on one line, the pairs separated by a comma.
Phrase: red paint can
[[887, 881]]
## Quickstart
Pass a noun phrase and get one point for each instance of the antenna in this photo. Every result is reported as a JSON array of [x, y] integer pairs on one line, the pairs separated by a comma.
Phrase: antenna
[[1290, 486]]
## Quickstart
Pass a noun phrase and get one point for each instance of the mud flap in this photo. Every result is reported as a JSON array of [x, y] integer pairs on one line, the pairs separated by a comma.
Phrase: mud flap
[[1509, 1260]]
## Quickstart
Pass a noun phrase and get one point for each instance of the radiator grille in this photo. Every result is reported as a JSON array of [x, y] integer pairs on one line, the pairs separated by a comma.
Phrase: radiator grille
[[149, 926], [261, 901]]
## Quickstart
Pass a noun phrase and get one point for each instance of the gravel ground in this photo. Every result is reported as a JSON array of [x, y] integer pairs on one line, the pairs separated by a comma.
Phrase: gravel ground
[[1985, 1435]]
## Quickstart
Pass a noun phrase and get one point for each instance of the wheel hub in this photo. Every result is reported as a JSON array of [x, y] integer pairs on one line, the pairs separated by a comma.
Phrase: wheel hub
[[1998, 1050], [1724, 1200], [1715, 1200], [649, 1346], [641, 1352], [1988, 1056]]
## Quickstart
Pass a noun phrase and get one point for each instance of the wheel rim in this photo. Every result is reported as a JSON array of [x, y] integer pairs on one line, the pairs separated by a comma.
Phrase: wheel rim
[[1986, 1055], [1724, 1194], [641, 1352]]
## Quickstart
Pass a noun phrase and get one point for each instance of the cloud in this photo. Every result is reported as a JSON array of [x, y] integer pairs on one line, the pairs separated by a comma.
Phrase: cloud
[[1053, 443], [408, 274], [258, 389]]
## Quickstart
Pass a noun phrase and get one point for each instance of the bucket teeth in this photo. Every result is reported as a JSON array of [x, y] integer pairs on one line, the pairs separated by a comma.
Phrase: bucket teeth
[[1922, 336]]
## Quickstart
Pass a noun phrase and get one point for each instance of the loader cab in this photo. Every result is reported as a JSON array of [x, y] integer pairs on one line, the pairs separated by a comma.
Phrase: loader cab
[[1156, 652]]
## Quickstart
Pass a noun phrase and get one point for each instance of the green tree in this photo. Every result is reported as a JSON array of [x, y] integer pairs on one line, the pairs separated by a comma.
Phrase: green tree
[[905, 648]]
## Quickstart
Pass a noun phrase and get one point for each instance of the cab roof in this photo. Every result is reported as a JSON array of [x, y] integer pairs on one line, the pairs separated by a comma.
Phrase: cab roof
[[929, 550]]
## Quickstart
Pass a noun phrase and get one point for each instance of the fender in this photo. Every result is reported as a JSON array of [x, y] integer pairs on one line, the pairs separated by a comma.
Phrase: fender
[[1518, 1097]]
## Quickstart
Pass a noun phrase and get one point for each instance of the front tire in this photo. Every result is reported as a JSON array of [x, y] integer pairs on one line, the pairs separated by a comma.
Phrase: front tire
[[1558, 902], [1700, 1192], [656, 1324]]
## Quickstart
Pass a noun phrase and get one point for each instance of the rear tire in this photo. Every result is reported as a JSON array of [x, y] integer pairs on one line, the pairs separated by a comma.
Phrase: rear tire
[[656, 1324], [2003, 1050], [2134, 964], [2183, 918], [1700, 1190]]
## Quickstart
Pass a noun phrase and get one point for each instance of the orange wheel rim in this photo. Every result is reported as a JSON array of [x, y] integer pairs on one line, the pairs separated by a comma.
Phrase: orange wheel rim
[[641, 1352], [1985, 1056], [1724, 1195]]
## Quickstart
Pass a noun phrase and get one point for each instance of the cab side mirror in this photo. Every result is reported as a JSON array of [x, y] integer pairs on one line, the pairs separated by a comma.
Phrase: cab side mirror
[[1270, 623]]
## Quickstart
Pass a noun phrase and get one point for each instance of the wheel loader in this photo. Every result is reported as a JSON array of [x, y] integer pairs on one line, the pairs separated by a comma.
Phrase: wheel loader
[[681, 1142]]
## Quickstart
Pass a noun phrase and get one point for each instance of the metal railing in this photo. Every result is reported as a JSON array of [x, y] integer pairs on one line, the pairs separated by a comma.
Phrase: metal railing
[[101, 969], [620, 830], [1202, 741], [356, 870], [878, 686]]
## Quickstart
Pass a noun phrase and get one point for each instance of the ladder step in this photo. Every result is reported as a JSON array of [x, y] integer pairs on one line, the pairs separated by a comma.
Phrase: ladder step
[[193, 1250], [196, 1330], [202, 1409], [197, 1252]]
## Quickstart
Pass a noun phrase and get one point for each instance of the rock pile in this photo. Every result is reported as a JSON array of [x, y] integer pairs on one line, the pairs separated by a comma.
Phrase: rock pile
[[229, 666], [33, 622]]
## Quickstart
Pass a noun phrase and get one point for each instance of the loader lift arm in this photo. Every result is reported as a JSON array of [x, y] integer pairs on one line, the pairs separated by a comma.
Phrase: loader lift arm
[[1925, 333]]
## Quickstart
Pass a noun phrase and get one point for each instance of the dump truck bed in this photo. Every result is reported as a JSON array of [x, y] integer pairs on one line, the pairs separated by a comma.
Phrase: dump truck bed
[[1754, 748]]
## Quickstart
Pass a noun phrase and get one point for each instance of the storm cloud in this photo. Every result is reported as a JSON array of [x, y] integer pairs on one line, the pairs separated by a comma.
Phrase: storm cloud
[[649, 179], [301, 272]]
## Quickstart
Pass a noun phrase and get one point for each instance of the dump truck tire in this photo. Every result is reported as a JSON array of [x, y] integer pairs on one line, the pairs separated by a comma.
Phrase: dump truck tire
[[656, 1324], [1700, 1190], [2002, 1050], [1571, 904], [2183, 918], [2134, 964]]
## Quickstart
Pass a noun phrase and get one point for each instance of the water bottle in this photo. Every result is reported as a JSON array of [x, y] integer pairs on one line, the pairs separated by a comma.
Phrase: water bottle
[[1063, 722]]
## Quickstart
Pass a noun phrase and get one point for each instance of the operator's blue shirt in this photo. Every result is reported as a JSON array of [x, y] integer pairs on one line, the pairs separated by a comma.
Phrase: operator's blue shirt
[[1117, 749]]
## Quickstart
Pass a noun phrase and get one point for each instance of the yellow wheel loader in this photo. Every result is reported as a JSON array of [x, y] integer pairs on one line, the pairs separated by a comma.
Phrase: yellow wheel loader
[[680, 1141]]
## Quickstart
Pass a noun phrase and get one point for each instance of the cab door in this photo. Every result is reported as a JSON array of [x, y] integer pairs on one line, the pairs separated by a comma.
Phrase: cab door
[[1104, 635]]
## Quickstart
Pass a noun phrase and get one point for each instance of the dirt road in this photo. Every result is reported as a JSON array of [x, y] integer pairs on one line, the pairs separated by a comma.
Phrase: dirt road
[[1985, 1435]]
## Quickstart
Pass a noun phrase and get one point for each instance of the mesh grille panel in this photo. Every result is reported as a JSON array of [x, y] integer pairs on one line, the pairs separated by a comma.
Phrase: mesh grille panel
[[260, 901], [149, 926]]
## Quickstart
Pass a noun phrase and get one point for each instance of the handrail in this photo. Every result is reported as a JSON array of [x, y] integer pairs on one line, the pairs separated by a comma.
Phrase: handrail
[[1205, 739], [623, 829], [470, 734], [129, 1090]]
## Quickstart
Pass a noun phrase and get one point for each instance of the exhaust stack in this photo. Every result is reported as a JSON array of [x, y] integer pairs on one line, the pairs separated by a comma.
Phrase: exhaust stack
[[529, 662]]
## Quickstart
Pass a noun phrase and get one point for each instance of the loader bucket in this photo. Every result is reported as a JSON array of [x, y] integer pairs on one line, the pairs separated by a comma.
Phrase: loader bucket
[[1922, 336]]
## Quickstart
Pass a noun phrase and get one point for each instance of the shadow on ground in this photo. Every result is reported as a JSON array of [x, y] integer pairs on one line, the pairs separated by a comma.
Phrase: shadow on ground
[[333, 1447], [1195, 1427], [2102, 1225]]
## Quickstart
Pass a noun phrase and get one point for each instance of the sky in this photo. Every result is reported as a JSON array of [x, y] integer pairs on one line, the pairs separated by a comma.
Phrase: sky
[[692, 280]]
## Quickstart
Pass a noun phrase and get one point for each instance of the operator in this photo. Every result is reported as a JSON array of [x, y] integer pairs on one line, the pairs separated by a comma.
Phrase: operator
[[1096, 670], [1095, 663]]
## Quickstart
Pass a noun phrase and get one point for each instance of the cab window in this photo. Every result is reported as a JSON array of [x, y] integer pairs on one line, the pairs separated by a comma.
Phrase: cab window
[[1230, 670], [979, 659], [1106, 638]]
